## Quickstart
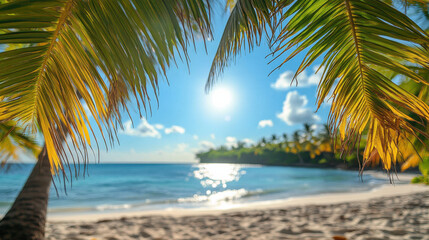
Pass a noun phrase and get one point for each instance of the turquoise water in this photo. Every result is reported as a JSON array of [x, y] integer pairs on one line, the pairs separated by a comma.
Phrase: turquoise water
[[114, 187]]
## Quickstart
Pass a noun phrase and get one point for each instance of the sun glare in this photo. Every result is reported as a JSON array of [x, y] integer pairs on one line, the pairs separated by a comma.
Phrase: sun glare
[[214, 175], [221, 98]]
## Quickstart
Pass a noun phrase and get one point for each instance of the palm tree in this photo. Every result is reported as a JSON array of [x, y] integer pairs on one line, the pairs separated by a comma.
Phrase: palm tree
[[285, 137], [325, 139], [326, 143], [355, 56], [308, 131], [273, 138], [63, 54], [240, 144], [297, 146], [13, 141], [310, 141], [286, 146]]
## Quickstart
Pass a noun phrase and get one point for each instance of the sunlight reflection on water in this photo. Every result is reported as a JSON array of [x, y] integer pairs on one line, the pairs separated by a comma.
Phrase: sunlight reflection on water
[[215, 178], [215, 175]]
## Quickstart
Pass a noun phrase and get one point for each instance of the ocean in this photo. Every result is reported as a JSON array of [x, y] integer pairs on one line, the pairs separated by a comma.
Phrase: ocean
[[129, 187]]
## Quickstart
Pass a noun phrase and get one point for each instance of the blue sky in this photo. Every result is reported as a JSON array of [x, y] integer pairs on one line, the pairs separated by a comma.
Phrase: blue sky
[[186, 120]]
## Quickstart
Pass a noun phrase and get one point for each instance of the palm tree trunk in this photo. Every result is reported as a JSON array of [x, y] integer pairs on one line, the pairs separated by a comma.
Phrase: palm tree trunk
[[27, 217]]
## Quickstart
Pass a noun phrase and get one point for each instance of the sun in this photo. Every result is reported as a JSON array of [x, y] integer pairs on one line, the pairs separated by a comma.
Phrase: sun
[[221, 98]]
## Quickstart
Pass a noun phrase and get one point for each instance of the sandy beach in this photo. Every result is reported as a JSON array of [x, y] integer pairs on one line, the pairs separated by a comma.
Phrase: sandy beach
[[391, 212]]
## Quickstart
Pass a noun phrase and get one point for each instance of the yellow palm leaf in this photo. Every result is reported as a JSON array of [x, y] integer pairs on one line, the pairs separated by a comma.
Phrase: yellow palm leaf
[[412, 161], [14, 141], [358, 40], [94, 53]]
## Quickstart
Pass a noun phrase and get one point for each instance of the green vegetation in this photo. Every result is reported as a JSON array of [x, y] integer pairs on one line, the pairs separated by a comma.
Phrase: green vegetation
[[61, 55], [305, 148], [424, 169], [309, 149]]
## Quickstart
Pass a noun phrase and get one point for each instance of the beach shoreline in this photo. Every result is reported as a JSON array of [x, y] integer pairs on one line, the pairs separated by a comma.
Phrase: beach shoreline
[[394, 212], [400, 186]]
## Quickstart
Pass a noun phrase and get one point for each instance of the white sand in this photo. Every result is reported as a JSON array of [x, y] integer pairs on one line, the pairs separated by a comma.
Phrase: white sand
[[389, 212]]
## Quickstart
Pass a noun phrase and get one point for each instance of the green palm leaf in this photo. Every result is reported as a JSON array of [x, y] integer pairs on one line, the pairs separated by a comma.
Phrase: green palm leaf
[[247, 23], [14, 141], [355, 39], [93, 52]]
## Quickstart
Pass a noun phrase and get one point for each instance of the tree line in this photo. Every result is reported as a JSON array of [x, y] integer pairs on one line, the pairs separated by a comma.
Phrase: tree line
[[58, 56], [305, 147]]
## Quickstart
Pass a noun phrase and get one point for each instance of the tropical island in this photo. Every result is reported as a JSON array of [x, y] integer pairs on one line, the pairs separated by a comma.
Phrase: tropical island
[[305, 148], [73, 71]]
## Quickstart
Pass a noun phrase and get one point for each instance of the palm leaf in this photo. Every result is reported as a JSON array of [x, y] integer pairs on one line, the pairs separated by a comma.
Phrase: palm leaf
[[85, 52], [14, 141], [246, 24], [355, 38], [414, 150]]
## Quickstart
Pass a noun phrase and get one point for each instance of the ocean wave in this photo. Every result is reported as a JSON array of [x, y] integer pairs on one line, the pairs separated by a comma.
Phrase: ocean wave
[[208, 198], [112, 207], [216, 197], [227, 195]]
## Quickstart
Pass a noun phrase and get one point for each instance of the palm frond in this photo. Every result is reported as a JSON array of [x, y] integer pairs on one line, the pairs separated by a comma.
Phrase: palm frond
[[247, 23], [14, 141], [414, 150], [355, 38], [94, 53], [230, 4]]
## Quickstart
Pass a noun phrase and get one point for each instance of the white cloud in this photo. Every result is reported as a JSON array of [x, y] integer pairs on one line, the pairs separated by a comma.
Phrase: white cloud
[[144, 129], [159, 126], [265, 123], [294, 110], [206, 145], [174, 129], [231, 142], [248, 141], [285, 79], [212, 136], [195, 137]]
